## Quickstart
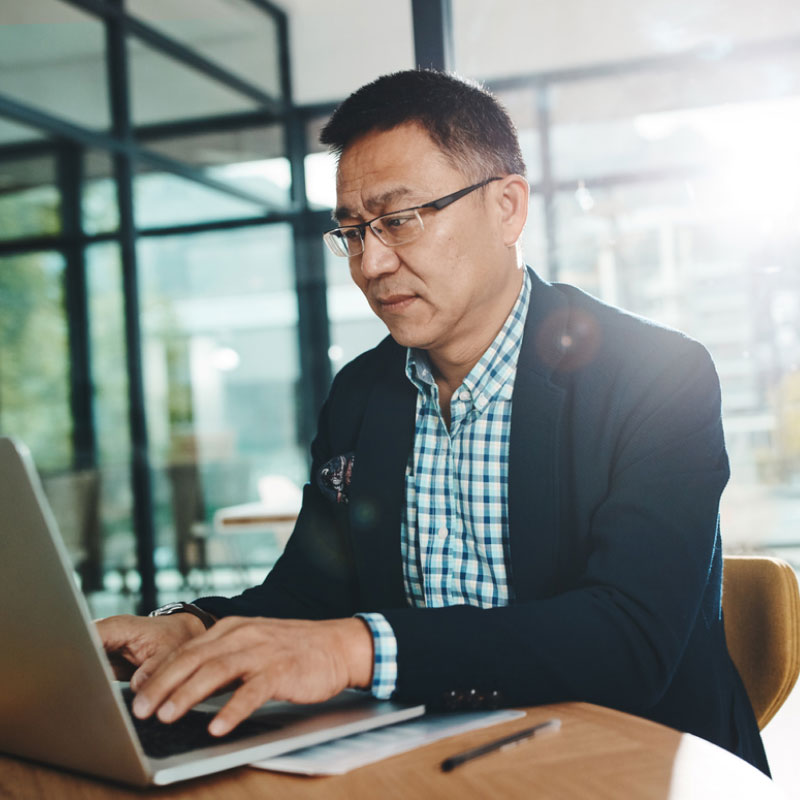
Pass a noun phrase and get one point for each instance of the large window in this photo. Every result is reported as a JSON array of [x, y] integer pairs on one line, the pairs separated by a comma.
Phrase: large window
[[670, 185], [148, 295], [711, 251]]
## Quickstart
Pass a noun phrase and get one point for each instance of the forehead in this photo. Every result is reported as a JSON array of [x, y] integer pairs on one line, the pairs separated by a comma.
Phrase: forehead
[[383, 168]]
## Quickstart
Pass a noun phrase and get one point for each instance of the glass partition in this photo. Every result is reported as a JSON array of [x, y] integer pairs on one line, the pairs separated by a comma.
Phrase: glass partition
[[250, 159], [163, 199], [219, 316], [522, 106], [117, 553], [30, 203], [221, 363], [680, 252], [99, 208], [34, 364], [354, 328], [534, 238]]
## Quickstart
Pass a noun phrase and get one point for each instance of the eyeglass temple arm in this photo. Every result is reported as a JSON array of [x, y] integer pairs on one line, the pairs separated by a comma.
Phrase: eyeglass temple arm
[[443, 202]]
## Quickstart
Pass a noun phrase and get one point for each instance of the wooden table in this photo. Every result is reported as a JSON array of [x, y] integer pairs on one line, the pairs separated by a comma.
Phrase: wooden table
[[597, 754]]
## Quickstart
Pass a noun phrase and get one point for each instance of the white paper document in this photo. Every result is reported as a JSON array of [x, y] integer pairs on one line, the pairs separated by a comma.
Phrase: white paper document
[[343, 755]]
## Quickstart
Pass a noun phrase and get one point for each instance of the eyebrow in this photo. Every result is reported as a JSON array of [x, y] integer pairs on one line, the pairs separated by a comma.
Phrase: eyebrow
[[379, 201]]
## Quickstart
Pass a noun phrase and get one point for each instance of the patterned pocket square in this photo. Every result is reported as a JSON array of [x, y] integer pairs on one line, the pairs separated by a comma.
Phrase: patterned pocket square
[[334, 477]]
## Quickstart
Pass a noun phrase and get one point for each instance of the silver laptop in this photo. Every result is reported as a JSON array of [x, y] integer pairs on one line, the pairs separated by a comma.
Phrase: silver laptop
[[60, 703]]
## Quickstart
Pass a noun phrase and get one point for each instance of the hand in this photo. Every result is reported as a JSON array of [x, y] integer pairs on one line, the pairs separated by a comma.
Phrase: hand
[[136, 645], [270, 659]]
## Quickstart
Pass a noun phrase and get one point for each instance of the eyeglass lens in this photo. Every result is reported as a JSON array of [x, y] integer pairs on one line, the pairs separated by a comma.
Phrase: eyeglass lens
[[392, 230]]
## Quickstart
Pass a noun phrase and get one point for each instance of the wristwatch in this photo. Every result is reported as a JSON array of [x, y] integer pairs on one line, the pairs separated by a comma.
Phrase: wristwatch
[[184, 608]]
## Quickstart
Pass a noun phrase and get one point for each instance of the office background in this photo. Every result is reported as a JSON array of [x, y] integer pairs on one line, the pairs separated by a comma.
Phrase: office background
[[170, 321]]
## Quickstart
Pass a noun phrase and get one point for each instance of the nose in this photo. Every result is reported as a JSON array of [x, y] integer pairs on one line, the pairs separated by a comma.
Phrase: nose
[[377, 259]]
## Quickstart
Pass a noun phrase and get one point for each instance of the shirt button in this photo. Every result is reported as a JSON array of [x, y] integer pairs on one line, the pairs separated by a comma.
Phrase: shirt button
[[464, 395], [442, 532]]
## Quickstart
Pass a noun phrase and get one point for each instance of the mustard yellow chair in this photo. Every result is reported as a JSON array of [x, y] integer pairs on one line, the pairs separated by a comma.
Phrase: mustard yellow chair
[[761, 608]]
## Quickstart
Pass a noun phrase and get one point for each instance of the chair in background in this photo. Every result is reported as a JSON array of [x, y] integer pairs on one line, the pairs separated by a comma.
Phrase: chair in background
[[197, 491], [188, 514], [74, 498], [761, 609]]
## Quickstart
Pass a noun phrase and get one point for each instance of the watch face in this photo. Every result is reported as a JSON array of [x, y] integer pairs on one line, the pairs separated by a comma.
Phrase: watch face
[[169, 608]]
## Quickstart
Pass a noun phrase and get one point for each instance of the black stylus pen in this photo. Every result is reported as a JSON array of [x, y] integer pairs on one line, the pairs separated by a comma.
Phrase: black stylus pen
[[499, 744]]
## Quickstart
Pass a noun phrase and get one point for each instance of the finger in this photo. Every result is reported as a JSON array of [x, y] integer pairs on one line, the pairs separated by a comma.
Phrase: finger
[[246, 699], [139, 678], [151, 664], [157, 681], [147, 668], [172, 672], [161, 660], [203, 682]]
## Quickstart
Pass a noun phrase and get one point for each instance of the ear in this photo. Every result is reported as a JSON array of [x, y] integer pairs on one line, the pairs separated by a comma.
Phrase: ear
[[513, 193]]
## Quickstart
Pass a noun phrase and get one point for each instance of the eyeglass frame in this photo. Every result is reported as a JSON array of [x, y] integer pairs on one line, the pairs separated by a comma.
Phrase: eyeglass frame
[[437, 205]]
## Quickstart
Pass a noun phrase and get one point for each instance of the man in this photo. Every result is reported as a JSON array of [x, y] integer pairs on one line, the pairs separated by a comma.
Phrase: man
[[517, 492]]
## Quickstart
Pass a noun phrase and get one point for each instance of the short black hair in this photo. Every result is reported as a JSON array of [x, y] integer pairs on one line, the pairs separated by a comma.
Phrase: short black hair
[[467, 122]]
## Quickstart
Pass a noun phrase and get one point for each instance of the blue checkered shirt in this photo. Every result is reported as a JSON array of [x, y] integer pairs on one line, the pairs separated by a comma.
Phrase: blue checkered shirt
[[454, 536]]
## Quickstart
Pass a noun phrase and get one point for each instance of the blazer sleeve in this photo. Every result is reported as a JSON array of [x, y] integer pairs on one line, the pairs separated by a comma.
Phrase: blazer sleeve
[[615, 631]]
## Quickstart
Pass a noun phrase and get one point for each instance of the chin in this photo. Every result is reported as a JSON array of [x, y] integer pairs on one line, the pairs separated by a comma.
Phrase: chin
[[408, 339], [410, 335], [403, 341]]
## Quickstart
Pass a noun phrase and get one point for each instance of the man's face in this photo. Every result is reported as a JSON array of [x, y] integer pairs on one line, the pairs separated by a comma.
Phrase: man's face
[[434, 292]]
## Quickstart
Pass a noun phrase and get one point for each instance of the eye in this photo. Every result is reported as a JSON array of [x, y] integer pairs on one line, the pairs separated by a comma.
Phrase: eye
[[350, 234], [394, 223]]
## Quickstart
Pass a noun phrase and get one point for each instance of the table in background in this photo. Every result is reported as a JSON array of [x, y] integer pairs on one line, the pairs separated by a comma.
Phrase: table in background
[[242, 535], [255, 518], [597, 754]]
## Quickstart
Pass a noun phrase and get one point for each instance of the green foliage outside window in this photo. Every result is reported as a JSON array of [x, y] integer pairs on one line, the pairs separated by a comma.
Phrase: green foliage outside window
[[34, 378]]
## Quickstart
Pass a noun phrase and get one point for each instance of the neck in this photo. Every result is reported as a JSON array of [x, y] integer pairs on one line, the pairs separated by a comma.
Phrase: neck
[[451, 365]]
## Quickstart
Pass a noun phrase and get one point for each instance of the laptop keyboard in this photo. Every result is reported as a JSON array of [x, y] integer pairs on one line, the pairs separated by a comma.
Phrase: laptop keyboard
[[160, 740]]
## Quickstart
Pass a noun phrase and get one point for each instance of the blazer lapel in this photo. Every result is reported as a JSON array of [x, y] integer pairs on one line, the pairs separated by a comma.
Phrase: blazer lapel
[[533, 456], [378, 488]]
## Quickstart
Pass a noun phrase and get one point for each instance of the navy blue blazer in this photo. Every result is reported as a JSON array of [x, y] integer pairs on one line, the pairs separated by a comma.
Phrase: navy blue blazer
[[616, 466]]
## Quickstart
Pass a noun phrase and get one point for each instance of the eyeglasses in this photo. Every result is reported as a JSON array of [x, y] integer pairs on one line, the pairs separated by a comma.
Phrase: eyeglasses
[[394, 229]]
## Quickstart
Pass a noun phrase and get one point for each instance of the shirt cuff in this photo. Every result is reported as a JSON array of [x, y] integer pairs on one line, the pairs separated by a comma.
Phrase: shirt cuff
[[384, 672]]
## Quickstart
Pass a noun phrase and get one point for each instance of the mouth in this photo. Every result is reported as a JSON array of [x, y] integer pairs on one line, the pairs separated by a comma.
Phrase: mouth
[[394, 303]]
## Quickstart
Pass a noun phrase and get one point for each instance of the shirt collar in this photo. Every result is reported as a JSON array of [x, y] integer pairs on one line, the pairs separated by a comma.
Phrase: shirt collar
[[496, 368]]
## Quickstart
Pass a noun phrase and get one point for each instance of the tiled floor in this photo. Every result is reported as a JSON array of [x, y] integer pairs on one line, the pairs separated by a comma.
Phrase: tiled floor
[[782, 742]]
